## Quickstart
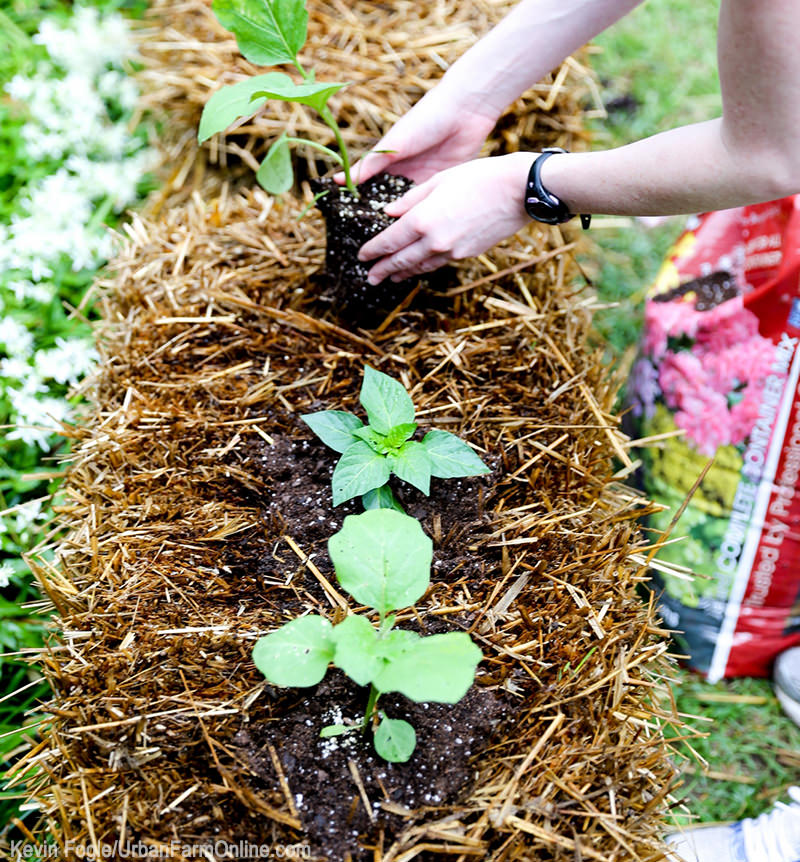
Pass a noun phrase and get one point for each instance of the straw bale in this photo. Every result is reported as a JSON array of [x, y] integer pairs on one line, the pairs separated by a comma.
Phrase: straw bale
[[392, 54], [212, 341]]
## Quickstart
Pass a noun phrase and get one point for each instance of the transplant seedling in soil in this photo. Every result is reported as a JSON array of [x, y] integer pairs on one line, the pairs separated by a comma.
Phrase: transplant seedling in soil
[[271, 33], [382, 558], [371, 453]]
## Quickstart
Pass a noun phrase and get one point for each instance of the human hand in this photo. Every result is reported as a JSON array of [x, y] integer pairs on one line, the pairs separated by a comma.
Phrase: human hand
[[440, 131], [457, 213]]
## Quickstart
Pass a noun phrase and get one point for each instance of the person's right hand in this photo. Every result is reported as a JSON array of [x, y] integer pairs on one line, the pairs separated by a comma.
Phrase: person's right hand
[[439, 132]]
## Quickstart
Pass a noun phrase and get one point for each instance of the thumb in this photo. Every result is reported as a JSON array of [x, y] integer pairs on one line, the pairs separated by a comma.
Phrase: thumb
[[372, 163], [410, 199]]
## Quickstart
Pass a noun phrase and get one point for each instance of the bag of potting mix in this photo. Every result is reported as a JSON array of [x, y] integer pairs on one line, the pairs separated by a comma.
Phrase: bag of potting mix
[[720, 363]]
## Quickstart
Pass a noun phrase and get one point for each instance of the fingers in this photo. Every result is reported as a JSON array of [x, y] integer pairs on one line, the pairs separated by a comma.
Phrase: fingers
[[391, 240], [428, 264], [411, 260]]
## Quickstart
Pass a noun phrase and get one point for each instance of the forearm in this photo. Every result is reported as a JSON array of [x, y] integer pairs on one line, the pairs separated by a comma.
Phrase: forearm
[[527, 44], [689, 169]]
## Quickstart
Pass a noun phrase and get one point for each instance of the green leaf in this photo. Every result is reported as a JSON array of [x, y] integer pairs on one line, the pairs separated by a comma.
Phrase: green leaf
[[335, 428], [359, 470], [395, 739], [276, 174], [450, 457], [396, 642], [386, 401], [268, 32], [439, 668], [375, 441], [381, 498], [297, 654], [336, 730], [399, 434], [315, 95], [230, 103], [382, 558], [356, 641], [412, 465]]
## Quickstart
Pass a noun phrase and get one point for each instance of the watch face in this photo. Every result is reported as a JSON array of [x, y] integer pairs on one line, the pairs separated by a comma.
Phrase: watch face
[[543, 211]]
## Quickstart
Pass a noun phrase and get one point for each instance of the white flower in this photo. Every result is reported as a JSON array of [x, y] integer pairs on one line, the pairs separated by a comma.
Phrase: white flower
[[25, 290], [15, 368], [5, 574], [70, 360], [16, 338], [86, 44], [36, 419]]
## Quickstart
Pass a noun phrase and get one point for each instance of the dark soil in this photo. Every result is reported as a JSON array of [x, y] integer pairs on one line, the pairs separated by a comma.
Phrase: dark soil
[[350, 222], [318, 771], [297, 471], [710, 290]]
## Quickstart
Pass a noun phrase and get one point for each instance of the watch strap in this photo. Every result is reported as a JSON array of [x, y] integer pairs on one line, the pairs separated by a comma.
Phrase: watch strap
[[537, 194]]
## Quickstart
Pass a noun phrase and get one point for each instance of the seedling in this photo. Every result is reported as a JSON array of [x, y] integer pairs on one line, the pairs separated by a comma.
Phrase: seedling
[[382, 558], [371, 453], [272, 33]]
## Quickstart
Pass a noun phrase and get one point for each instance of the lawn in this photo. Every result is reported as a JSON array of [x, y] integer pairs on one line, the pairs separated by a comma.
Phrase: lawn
[[658, 70]]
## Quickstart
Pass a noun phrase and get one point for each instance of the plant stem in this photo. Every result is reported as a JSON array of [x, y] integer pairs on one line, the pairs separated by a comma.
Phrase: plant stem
[[327, 116], [374, 694], [321, 147]]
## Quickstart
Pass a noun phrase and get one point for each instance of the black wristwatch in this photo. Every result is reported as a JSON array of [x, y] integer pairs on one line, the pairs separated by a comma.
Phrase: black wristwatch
[[541, 204]]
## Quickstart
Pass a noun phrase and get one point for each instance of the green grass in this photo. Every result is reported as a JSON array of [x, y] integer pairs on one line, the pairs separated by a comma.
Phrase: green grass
[[663, 58], [752, 749]]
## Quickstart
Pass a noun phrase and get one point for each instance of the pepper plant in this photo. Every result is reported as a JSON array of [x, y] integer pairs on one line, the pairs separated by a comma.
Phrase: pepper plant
[[272, 33], [372, 453], [382, 558]]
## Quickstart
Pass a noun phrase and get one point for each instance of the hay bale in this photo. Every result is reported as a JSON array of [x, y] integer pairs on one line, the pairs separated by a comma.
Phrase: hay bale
[[392, 53], [175, 561]]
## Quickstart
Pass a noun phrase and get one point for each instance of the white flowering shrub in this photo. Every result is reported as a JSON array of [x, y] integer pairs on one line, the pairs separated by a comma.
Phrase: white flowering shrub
[[69, 165], [85, 166]]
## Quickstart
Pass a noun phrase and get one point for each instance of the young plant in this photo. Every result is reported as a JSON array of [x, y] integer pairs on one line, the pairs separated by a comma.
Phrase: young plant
[[382, 558], [371, 453], [272, 33]]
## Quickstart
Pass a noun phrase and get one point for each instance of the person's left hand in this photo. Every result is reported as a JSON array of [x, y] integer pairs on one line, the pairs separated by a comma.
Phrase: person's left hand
[[457, 213]]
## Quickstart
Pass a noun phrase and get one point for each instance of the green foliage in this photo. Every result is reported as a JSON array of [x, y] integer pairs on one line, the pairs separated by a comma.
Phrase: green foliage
[[310, 93], [382, 558], [752, 750], [272, 33], [450, 457], [385, 401], [371, 453], [437, 668], [268, 33], [380, 498], [395, 739], [230, 103], [275, 173], [334, 427], [359, 470], [296, 654]]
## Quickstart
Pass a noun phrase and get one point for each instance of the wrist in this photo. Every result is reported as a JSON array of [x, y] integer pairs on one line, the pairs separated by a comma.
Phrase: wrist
[[464, 93], [545, 199], [553, 173]]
